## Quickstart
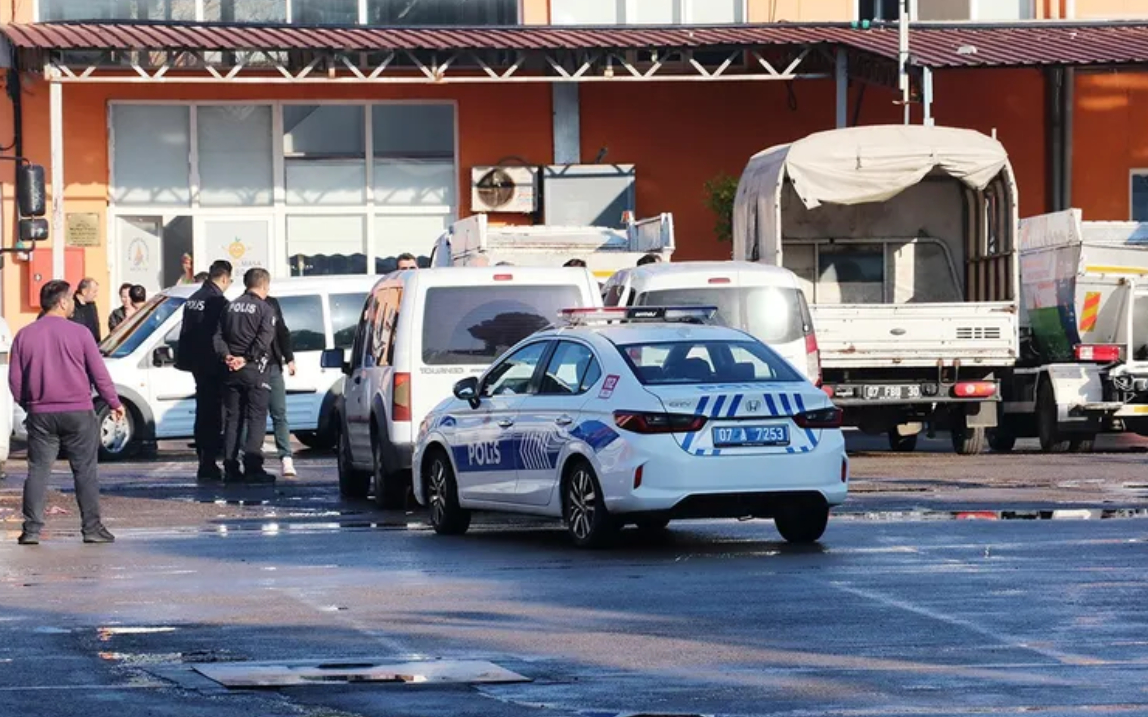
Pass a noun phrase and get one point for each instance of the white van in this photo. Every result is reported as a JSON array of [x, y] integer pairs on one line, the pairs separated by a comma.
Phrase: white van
[[321, 313], [422, 331], [764, 301]]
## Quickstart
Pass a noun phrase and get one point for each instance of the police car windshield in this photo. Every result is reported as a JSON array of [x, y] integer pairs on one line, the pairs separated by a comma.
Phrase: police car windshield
[[772, 314], [131, 333], [699, 362]]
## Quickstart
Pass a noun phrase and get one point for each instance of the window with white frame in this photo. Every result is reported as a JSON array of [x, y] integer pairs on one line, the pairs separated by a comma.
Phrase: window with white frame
[[303, 12], [1138, 194], [647, 12], [345, 187], [971, 10]]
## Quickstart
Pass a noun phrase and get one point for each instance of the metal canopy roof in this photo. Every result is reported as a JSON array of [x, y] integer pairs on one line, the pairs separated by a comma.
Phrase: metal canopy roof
[[211, 52], [933, 45]]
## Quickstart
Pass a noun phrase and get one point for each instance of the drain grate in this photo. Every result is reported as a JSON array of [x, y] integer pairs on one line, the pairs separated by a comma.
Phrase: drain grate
[[239, 675]]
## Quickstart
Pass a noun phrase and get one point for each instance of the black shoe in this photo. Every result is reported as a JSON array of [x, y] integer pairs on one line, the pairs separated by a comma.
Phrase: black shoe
[[231, 472], [102, 535], [258, 476], [209, 473], [28, 539]]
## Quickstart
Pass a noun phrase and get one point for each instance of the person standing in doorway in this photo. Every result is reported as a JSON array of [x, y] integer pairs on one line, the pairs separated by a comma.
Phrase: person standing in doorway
[[282, 359], [244, 342], [196, 354], [407, 261], [186, 272], [54, 364], [85, 306], [125, 309]]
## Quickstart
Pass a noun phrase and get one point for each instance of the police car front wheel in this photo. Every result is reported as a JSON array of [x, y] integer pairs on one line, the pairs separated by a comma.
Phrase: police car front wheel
[[446, 516]]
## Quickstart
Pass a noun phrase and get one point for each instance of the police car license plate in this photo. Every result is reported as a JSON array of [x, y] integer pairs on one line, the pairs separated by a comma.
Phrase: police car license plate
[[751, 436]]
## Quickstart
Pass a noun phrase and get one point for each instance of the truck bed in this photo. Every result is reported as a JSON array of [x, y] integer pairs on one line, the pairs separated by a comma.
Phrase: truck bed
[[855, 336]]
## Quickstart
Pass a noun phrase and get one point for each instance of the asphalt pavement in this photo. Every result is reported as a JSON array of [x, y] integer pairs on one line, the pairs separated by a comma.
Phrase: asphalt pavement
[[946, 586]]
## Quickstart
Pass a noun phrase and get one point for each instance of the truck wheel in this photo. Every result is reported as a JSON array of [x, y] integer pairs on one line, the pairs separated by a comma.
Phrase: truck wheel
[[1047, 428], [967, 441], [1082, 444], [902, 444], [1000, 439]]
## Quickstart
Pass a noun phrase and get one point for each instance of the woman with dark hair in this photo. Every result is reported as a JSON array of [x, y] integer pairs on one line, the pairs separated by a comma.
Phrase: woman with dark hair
[[125, 309], [138, 296]]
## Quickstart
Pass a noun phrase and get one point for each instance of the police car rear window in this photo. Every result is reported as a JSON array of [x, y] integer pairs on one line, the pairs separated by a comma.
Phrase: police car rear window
[[768, 313], [476, 324], [701, 362]]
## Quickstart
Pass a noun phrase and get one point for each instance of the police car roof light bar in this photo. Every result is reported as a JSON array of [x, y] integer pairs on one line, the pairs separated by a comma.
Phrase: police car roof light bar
[[635, 314]]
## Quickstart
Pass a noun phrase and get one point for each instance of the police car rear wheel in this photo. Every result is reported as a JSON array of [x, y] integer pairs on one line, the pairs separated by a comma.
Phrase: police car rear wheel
[[446, 516], [802, 522], [589, 523], [118, 439]]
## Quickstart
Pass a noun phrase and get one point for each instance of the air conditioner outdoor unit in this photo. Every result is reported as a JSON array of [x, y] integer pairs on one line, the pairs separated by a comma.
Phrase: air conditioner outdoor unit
[[504, 189]]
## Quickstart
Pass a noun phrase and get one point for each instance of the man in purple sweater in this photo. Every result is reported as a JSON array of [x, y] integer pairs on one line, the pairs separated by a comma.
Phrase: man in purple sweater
[[53, 365]]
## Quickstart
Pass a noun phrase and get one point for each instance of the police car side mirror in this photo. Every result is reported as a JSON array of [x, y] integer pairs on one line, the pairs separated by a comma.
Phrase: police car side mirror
[[163, 356], [334, 358], [467, 390]]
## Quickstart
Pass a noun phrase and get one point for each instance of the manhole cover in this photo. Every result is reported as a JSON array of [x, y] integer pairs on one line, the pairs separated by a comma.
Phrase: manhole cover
[[284, 674]]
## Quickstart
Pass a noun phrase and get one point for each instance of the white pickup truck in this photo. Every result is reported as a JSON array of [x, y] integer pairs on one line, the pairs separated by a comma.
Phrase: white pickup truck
[[904, 238], [475, 242]]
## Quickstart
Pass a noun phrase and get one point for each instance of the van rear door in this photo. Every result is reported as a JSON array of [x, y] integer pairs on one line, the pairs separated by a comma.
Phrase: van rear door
[[464, 328]]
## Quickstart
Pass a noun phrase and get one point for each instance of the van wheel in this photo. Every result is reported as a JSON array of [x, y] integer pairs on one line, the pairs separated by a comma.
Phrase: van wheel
[[390, 488], [902, 444], [119, 440], [352, 483], [314, 440], [802, 522], [446, 515], [589, 523], [1047, 428]]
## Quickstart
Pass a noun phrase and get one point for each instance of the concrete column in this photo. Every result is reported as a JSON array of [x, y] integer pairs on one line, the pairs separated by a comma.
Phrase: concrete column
[[567, 123], [56, 129]]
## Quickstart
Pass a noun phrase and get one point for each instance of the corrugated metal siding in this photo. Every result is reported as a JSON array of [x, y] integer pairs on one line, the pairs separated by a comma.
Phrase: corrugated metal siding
[[933, 46]]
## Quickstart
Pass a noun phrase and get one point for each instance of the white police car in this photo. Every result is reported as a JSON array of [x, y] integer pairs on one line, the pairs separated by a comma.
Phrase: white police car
[[635, 416]]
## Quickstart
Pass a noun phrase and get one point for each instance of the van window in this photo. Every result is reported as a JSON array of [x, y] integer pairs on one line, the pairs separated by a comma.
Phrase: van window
[[771, 314], [304, 318], [475, 324], [346, 310], [383, 324], [139, 328], [362, 335]]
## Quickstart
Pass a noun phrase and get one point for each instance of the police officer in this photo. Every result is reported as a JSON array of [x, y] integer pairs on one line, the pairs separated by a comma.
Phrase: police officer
[[243, 342], [196, 354]]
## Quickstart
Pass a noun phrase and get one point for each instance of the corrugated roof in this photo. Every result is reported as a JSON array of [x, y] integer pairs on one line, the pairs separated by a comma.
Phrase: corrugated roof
[[1027, 44]]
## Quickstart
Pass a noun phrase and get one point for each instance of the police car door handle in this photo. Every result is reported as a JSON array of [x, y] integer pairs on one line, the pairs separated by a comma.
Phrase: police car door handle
[[506, 423], [564, 420]]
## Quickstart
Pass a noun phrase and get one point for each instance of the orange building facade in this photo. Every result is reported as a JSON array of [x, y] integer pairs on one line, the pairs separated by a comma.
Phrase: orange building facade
[[677, 134]]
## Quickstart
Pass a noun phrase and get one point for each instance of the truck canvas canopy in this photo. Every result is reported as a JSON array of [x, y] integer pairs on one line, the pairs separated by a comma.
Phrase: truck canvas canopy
[[852, 166]]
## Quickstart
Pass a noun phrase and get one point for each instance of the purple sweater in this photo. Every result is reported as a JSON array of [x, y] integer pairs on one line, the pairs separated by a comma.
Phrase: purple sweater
[[54, 364]]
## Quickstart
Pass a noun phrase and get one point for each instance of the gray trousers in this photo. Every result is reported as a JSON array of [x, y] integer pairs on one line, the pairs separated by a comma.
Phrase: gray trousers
[[74, 435], [277, 409]]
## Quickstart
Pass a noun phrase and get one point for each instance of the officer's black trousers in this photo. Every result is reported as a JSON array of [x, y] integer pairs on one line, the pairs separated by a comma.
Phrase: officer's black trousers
[[208, 415], [246, 397]]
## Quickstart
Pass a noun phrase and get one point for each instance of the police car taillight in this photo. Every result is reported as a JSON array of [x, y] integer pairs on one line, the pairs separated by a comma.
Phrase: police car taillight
[[647, 423]]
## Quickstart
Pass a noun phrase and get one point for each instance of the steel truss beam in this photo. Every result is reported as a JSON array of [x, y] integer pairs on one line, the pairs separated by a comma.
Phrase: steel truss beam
[[414, 67]]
